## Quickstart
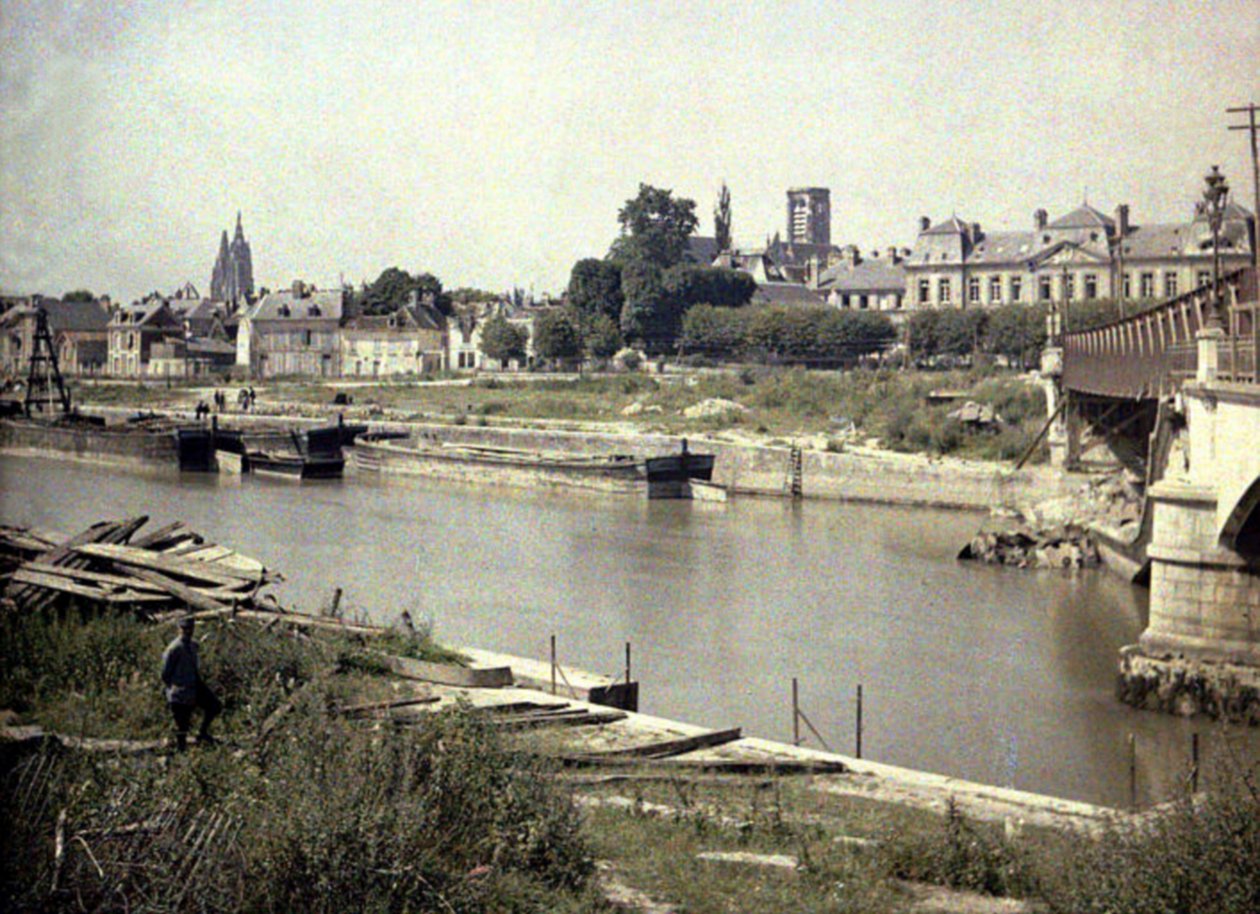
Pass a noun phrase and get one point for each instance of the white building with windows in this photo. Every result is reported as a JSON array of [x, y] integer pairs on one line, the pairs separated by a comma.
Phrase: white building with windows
[[1082, 256], [293, 332]]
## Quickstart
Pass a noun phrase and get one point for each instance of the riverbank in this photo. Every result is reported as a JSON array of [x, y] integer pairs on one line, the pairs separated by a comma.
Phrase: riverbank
[[848, 472]]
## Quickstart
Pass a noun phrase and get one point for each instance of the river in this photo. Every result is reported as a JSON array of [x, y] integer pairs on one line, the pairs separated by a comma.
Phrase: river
[[994, 675]]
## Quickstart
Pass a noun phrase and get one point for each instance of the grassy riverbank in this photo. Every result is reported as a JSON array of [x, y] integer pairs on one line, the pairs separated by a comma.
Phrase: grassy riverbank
[[828, 408], [301, 808]]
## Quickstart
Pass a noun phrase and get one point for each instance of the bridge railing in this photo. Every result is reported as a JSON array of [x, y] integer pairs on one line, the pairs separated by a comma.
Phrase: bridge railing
[[1149, 355]]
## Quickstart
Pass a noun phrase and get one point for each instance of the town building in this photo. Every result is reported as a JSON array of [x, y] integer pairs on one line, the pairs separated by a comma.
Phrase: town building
[[860, 283], [79, 333], [809, 216], [232, 279], [296, 331], [410, 340], [170, 336], [1085, 255]]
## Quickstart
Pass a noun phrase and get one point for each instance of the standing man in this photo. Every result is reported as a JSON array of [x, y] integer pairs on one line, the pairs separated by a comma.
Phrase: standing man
[[185, 690]]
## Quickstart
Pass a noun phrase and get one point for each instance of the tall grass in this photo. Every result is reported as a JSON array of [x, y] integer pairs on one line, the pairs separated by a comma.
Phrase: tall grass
[[326, 814]]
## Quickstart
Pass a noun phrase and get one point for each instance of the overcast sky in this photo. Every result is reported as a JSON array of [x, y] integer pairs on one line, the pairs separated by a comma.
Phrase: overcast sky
[[492, 143]]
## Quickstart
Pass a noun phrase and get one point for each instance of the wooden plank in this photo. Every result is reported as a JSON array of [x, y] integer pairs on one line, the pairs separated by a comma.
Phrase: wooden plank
[[107, 531], [59, 584], [188, 595], [671, 747], [140, 558], [96, 577], [161, 534], [210, 552], [446, 673], [586, 719], [370, 707]]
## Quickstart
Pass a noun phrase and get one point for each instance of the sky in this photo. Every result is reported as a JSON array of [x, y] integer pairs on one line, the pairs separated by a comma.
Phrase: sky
[[492, 143]]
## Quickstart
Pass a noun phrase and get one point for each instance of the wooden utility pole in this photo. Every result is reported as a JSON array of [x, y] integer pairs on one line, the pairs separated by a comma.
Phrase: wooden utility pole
[[1250, 126]]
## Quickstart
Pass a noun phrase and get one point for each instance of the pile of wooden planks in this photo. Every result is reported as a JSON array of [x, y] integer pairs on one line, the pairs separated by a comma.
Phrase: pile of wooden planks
[[112, 565]]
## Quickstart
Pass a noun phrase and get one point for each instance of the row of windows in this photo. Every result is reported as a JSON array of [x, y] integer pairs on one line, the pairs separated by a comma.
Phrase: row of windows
[[1045, 287]]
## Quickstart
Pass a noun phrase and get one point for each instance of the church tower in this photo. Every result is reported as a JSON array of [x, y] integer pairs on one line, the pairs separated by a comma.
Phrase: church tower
[[233, 277], [809, 215]]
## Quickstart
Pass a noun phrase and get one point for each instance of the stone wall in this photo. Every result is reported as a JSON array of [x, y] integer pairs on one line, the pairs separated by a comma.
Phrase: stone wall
[[85, 442]]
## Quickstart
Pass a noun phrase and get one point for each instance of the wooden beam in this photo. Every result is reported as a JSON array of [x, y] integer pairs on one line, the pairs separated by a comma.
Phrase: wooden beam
[[192, 597], [672, 747], [141, 558]]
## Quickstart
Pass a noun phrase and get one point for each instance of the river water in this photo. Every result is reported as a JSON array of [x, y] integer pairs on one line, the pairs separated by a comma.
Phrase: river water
[[994, 675]]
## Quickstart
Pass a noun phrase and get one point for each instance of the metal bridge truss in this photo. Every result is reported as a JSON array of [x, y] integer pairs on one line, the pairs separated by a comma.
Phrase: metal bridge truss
[[1149, 355]]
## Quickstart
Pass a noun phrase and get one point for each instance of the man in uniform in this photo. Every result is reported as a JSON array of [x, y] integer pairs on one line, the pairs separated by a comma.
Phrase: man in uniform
[[185, 690]]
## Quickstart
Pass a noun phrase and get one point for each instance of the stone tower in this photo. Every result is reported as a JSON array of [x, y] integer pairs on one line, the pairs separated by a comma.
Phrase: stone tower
[[233, 276], [809, 215]]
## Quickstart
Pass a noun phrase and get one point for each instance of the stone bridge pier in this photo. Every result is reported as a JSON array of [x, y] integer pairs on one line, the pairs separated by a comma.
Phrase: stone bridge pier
[[1200, 652]]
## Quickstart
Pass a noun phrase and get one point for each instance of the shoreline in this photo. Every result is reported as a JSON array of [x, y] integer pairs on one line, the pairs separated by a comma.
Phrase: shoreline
[[853, 473]]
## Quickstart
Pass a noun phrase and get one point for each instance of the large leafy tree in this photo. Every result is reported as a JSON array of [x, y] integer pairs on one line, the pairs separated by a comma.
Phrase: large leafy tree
[[556, 336], [655, 227], [722, 220], [79, 295], [502, 340], [595, 288], [392, 289]]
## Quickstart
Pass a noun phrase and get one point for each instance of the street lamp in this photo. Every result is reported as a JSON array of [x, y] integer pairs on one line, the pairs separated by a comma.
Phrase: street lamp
[[1212, 208]]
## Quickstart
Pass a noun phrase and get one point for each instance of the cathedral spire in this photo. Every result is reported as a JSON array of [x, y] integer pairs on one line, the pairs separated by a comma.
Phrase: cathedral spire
[[240, 233]]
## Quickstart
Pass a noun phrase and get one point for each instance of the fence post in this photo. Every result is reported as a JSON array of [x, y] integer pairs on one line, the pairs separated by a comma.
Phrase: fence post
[[796, 713], [1194, 762], [859, 720], [1132, 772], [553, 664], [627, 661]]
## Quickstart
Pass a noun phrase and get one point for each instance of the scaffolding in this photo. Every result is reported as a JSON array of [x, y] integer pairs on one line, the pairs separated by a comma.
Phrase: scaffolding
[[44, 387]]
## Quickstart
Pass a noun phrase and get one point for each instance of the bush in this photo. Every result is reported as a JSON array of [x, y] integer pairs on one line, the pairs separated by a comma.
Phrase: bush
[[961, 855], [1200, 857]]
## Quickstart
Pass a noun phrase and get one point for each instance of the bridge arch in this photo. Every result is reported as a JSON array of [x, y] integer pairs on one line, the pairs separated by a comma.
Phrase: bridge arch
[[1241, 531]]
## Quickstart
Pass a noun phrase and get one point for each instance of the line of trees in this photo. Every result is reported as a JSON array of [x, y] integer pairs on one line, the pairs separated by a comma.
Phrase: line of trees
[[1016, 332], [784, 334]]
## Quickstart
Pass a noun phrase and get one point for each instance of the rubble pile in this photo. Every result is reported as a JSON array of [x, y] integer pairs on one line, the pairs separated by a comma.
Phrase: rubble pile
[[1061, 547]]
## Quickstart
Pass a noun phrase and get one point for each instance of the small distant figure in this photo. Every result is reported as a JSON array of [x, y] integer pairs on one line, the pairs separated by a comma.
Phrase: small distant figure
[[404, 619], [203, 410], [242, 400], [185, 689], [253, 399]]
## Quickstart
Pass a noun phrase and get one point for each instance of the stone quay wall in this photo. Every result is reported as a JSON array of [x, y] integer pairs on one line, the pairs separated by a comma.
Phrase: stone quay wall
[[131, 447], [853, 474], [858, 474]]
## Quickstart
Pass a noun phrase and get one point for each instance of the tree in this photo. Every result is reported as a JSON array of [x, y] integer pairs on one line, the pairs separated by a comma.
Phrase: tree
[[601, 338], [79, 295], [393, 288], [655, 227], [556, 336], [1017, 332], [595, 288], [648, 314], [722, 220], [690, 285], [503, 341], [718, 332]]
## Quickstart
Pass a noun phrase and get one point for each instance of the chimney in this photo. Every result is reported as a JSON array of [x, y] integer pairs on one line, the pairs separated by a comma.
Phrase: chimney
[[892, 255], [812, 271], [1040, 218], [924, 223], [1122, 220]]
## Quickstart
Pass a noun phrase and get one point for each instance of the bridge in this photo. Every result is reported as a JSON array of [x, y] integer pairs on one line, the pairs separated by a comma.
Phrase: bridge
[[1183, 377]]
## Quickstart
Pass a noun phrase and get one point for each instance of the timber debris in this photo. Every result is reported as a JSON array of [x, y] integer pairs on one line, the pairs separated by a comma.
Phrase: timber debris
[[110, 565]]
